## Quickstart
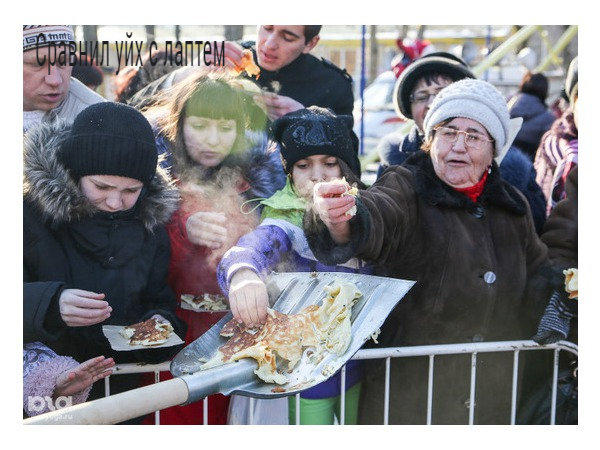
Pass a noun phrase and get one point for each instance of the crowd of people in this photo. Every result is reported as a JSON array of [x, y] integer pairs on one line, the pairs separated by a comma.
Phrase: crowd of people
[[203, 181]]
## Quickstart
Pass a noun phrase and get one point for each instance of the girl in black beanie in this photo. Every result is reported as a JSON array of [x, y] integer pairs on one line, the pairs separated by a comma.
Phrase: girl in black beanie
[[95, 249], [315, 145]]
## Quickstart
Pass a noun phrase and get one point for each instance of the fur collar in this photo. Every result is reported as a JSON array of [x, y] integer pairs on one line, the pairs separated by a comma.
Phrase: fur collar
[[259, 166], [496, 192], [48, 186], [263, 171]]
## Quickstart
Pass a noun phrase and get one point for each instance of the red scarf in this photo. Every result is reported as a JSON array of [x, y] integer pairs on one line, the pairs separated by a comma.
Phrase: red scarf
[[473, 192]]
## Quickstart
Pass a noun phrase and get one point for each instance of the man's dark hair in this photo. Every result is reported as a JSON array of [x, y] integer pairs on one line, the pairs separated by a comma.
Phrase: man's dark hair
[[87, 72], [310, 31], [535, 84]]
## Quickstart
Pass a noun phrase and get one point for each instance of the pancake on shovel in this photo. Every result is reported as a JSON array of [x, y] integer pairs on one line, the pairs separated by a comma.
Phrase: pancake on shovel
[[284, 337]]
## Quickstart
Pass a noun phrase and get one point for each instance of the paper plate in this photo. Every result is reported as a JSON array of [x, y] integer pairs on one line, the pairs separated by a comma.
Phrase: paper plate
[[120, 344]]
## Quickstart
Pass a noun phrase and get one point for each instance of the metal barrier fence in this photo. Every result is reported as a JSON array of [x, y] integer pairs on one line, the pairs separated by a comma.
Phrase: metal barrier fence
[[430, 351]]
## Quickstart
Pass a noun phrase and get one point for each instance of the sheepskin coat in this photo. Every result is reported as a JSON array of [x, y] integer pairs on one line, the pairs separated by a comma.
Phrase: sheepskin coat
[[472, 263]]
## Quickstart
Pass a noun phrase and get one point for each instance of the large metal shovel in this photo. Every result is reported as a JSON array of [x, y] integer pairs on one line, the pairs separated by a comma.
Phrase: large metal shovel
[[293, 292]]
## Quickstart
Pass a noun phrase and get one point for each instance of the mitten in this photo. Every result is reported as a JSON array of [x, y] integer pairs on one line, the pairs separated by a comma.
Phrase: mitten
[[555, 323]]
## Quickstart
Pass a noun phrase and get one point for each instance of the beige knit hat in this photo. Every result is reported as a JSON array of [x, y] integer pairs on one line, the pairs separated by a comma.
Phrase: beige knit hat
[[44, 35]]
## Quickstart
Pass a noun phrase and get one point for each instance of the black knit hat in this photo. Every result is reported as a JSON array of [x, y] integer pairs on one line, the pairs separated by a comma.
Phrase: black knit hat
[[438, 62], [110, 139], [314, 131]]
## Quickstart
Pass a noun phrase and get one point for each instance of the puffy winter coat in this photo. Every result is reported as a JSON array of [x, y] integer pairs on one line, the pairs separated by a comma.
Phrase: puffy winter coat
[[537, 119], [41, 368], [68, 243]]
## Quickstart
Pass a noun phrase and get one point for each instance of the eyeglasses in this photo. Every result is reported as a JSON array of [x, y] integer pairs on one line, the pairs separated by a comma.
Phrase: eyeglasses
[[450, 136], [422, 97]]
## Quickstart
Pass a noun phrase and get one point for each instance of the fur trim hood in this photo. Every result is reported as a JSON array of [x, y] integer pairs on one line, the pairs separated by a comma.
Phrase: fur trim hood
[[259, 165], [48, 186], [263, 170]]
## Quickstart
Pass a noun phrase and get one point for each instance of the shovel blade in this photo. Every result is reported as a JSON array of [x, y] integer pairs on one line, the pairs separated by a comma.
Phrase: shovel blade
[[291, 292]]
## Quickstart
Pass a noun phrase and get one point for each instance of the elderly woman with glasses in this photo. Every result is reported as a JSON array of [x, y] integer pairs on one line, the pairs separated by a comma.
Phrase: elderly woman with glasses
[[448, 220]]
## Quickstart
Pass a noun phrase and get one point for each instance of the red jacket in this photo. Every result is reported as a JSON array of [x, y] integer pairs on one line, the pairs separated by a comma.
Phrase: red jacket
[[193, 268]]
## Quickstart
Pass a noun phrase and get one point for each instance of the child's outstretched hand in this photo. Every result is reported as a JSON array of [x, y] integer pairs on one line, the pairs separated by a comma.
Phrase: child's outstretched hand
[[82, 376], [248, 298]]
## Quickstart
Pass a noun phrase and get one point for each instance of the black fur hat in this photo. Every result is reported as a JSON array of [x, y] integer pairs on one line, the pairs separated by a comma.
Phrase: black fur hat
[[439, 62]]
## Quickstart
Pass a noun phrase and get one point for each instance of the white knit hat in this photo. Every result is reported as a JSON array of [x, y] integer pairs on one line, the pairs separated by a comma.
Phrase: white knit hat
[[480, 101]]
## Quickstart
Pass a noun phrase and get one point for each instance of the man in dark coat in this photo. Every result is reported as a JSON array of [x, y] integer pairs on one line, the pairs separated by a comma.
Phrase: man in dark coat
[[298, 78], [295, 78], [287, 69]]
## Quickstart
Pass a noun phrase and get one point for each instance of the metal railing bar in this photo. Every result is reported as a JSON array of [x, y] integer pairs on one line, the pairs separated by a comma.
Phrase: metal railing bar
[[205, 410], [469, 347], [430, 389], [386, 403], [472, 388], [343, 397], [297, 409], [513, 401], [129, 368], [554, 388], [157, 413], [398, 352]]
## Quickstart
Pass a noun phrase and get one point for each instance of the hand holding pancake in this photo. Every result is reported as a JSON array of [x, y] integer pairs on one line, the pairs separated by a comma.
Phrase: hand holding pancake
[[278, 105], [335, 208]]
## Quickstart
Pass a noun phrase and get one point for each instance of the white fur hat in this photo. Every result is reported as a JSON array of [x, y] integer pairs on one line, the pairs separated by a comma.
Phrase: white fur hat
[[480, 101]]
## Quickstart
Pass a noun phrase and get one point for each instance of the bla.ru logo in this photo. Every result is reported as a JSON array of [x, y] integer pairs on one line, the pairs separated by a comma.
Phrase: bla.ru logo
[[37, 403]]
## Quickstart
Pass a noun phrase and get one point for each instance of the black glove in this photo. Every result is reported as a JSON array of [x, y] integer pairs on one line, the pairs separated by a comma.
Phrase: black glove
[[555, 323]]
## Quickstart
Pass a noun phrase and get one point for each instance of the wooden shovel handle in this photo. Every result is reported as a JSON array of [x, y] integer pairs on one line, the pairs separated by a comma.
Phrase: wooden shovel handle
[[119, 407]]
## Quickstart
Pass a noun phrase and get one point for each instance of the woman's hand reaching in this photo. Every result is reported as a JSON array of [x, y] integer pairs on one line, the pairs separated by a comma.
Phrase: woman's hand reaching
[[334, 209]]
